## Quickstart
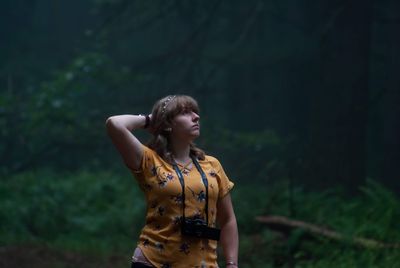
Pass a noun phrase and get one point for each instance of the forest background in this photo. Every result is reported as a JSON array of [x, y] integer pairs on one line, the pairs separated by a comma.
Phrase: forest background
[[300, 101]]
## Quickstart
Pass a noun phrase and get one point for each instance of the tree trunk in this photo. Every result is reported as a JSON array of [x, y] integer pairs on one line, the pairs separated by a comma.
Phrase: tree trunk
[[337, 151], [391, 105]]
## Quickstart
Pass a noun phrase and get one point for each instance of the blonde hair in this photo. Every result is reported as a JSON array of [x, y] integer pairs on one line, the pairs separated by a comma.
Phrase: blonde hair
[[164, 111]]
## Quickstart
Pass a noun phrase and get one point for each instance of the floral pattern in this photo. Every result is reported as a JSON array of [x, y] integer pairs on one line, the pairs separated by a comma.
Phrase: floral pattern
[[184, 248], [164, 194]]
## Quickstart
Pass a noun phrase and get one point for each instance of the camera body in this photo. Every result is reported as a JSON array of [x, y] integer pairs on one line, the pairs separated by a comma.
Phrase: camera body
[[198, 228]]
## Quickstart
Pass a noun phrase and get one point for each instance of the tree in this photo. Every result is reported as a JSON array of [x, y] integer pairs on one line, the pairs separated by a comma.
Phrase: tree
[[337, 151]]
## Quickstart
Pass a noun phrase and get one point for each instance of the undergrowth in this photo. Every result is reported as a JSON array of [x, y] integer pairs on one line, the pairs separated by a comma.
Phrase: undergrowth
[[101, 213]]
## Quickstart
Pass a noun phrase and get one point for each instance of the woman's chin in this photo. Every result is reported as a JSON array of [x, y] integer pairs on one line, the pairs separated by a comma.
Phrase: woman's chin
[[195, 134]]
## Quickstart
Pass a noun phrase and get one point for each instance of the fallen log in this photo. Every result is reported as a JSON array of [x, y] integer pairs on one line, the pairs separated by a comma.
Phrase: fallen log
[[285, 224]]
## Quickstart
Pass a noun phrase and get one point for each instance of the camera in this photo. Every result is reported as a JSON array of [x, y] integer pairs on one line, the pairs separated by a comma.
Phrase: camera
[[198, 228]]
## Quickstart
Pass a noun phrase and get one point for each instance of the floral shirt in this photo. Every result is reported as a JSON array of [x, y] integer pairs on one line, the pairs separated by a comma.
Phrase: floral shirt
[[160, 240]]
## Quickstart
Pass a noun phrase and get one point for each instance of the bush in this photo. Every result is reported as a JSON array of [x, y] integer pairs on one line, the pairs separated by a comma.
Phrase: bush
[[101, 213], [93, 211]]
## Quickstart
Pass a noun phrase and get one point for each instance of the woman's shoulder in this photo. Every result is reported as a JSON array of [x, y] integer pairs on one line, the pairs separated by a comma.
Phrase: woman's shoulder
[[212, 160], [147, 151], [152, 154]]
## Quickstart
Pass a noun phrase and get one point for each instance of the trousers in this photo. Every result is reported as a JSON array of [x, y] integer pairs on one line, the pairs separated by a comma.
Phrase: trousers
[[139, 260], [140, 265]]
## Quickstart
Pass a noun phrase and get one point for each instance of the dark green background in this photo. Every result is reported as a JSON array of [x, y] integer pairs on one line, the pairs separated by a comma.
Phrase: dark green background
[[300, 101]]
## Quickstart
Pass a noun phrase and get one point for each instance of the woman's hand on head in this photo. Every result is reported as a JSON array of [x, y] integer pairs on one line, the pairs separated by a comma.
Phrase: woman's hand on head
[[150, 128]]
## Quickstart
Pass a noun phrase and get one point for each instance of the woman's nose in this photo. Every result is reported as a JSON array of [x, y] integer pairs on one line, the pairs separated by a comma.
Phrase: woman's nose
[[195, 116]]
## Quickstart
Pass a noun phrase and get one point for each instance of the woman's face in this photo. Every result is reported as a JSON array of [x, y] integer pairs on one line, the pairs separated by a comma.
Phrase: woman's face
[[186, 125]]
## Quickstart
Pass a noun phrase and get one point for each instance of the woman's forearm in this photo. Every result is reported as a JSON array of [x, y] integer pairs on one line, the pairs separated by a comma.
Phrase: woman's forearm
[[119, 128], [230, 241], [131, 122]]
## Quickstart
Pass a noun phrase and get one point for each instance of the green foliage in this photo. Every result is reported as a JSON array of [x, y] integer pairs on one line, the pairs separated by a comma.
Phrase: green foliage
[[91, 211], [263, 149], [255, 68], [374, 214], [60, 124], [102, 213]]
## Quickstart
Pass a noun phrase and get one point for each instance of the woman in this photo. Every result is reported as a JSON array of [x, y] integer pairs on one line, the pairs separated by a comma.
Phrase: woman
[[187, 192]]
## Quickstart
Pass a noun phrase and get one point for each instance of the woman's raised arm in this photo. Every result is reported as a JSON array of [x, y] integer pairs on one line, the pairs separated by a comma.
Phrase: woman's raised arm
[[119, 129]]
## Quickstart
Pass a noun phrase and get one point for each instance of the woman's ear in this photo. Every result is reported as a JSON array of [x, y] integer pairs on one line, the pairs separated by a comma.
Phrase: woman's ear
[[166, 131]]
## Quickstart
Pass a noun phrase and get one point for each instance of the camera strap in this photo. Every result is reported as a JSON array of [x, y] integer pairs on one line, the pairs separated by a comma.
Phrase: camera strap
[[181, 180]]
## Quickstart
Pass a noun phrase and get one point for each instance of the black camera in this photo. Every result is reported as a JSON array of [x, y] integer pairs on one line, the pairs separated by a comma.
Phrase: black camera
[[198, 228]]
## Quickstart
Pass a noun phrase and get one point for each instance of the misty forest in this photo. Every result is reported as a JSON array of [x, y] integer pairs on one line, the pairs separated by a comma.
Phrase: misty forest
[[299, 100]]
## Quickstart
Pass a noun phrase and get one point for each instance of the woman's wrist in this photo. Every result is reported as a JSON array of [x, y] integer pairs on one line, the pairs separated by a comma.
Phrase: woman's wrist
[[231, 264], [147, 119]]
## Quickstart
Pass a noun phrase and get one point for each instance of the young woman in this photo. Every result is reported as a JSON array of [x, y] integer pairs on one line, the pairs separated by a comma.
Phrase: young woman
[[187, 192]]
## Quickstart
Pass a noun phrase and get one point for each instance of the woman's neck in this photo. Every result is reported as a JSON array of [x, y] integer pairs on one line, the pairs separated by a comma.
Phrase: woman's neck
[[180, 151]]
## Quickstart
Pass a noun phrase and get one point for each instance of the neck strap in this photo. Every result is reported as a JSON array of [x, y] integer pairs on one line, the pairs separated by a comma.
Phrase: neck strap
[[181, 180]]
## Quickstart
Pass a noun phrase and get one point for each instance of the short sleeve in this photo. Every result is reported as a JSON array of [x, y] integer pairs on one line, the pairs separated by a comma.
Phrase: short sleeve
[[147, 163], [224, 184]]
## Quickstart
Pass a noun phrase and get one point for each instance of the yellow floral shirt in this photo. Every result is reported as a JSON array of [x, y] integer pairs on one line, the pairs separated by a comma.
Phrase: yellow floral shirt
[[160, 240]]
